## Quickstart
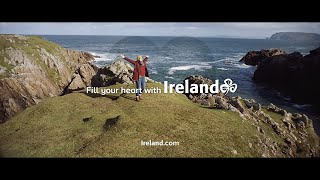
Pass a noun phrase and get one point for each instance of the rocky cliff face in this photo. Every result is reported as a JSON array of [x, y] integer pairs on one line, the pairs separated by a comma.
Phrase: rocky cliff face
[[253, 58], [279, 133], [293, 74], [32, 69]]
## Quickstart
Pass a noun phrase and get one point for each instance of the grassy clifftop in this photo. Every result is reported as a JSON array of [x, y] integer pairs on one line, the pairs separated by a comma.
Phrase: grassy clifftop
[[113, 125], [55, 128]]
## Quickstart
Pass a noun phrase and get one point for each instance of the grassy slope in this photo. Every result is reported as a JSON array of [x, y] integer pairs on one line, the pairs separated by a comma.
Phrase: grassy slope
[[4, 44], [55, 128]]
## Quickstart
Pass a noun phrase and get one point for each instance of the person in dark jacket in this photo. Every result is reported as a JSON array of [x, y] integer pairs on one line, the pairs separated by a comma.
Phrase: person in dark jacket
[[139, 73]]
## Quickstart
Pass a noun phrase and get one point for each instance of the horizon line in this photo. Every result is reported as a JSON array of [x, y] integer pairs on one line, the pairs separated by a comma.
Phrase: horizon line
[[217, 36]]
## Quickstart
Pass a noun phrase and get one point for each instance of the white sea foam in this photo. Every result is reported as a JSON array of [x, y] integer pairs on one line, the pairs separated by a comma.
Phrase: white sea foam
[[229, 59], [242, 66], [204, 63], [301, 106], [188, 67], [223, 69], [213, 62], [287, 98], [166, 57], [104, 56], [153, 71], [238, 56], [232, 58], [169, 77]]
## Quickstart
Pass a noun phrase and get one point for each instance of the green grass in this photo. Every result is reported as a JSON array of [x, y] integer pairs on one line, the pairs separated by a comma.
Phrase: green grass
[[4, 44], [275, 116], [49, 46], [55, 128], [8, 67], [269, 132], [243, 104], [312, 136]]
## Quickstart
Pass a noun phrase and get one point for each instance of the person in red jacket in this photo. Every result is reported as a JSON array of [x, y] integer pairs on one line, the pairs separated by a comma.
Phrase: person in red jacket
[[139, 73]]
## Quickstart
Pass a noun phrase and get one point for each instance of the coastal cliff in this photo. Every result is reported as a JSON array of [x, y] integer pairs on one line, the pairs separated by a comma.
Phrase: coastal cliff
[[32, 69], [51, 115], [280, 133], [294, 74]]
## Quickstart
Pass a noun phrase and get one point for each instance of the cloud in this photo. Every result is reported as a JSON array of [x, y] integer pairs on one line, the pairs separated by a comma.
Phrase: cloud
[[192, 28]]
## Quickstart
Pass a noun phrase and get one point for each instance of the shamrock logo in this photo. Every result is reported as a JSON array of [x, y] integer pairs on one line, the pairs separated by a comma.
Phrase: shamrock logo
[[228, 86]]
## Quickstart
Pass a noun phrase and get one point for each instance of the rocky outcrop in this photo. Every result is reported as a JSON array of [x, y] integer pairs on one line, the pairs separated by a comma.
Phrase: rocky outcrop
[[35, 69], [255, 57], [76, 83], [86, 72], [198, 80], [295, 133], [116, 72], [292, 74], [81, 78]]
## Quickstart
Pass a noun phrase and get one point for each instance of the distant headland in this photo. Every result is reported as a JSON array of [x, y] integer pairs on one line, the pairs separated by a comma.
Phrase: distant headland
[[296, 36]]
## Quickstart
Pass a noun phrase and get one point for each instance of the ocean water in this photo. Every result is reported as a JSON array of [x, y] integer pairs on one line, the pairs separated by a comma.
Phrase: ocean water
[[174, 58]]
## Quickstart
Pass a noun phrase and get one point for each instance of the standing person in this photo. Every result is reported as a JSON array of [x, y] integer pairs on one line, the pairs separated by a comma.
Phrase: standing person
[[139, 73]]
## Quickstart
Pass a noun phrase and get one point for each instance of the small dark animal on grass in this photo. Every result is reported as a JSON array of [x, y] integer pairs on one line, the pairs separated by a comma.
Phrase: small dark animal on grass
[[110, 122]]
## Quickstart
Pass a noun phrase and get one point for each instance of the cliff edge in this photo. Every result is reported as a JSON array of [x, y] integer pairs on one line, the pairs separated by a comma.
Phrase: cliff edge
[[32, 68]]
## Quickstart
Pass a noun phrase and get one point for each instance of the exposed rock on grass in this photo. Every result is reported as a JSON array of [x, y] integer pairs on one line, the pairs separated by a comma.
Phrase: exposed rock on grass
[[292, 131]]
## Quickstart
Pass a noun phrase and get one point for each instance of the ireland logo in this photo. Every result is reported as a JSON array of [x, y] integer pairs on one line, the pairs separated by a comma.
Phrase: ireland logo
[[228, 86]]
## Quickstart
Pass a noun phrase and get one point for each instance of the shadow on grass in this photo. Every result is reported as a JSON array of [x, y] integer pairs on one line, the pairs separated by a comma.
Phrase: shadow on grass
[[96, 95], [110, 122], [208, 107], [112, 97], [127, 97]]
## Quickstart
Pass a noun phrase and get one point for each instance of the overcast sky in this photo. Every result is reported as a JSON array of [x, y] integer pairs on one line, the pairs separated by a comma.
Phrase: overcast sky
[[246, 30]]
